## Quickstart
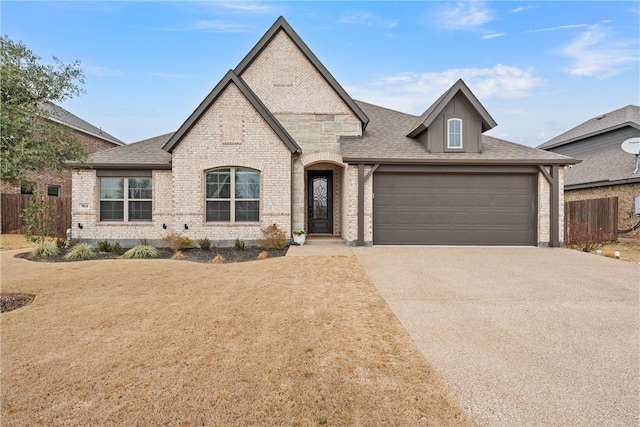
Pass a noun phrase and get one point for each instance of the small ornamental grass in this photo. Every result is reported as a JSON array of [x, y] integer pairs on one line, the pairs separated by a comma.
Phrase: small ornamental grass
[[104, 246], [141, 251], [45, 250], [80, 252]]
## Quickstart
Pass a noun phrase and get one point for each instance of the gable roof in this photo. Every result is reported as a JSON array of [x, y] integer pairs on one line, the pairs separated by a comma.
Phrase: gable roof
[[58, 114], [626, 116], [423, 122], [385, 141], [232, 78], [281, 24], [145, 154]]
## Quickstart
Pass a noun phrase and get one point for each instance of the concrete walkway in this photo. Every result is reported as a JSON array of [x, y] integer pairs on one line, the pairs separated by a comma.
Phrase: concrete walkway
[[331, 249], [521, 336]]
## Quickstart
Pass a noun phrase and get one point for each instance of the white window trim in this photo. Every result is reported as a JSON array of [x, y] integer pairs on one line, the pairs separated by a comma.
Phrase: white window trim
[[232, 200], [125, 201], [449, 146]]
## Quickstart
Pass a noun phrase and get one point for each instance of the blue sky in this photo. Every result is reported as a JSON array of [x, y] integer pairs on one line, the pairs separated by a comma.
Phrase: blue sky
[[539, 67]]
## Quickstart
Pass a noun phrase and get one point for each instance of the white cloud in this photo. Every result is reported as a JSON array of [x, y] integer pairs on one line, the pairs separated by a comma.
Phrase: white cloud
[[493, 36], [465, 15], [560, 27], [103, 72], [217, 26], [250, 7], [170, 75], [521, 9], [366, 19], [597, 53], [414, 92]]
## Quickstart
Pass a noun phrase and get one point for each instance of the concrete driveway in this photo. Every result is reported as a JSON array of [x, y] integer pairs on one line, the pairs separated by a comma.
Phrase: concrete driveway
[[521, 336]]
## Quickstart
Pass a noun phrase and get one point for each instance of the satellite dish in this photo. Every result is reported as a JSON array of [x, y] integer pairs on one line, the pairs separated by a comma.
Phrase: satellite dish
[[631, 146]]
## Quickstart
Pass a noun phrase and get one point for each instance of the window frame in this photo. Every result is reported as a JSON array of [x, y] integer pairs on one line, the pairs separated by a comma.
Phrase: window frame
[[58, 190], [449, 134], [233, 198], [27, 187], [125, 199]]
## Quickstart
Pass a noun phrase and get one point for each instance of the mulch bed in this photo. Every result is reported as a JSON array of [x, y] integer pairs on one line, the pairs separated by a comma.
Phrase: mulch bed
[[10, 302], [192, 254]]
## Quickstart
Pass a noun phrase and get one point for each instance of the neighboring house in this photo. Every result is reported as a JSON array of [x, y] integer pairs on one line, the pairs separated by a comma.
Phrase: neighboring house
[[606, 170], [58, 184], [279, 141]]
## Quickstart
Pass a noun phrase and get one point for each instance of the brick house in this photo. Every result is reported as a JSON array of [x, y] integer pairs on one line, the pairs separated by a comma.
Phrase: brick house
[[606, 170], [279, 141], [57, 184]]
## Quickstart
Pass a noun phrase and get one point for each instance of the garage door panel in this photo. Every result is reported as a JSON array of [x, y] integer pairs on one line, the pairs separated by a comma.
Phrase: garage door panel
[[454, 209]]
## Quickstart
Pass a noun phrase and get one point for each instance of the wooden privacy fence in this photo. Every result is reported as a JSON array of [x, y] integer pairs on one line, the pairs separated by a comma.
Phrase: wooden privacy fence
[[593, 219], [14, 204]]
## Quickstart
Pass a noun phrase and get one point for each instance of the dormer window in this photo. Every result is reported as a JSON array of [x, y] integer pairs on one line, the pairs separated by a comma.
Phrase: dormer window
[[454, 133]]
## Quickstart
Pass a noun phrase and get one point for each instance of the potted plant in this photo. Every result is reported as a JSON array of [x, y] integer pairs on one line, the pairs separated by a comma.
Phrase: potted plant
[[299, 237]]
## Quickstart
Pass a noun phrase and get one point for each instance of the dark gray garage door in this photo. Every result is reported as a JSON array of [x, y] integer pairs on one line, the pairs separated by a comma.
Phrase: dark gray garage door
[[454, 209]]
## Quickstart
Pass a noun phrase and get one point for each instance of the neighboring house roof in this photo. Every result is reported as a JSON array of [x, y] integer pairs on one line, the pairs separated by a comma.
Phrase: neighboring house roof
[[608, 167], [626, 116], [385, 140], [145, 154], [281, 24], [232, 77], [423, 122], [62, 116]]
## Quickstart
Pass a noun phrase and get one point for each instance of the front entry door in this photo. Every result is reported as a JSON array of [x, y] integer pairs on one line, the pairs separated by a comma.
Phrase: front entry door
[[320, 204]]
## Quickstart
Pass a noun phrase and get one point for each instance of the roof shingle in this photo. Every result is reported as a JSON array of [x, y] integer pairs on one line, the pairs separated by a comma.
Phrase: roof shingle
[[384, 139], [629, 115], [145, 154], [60, 115]]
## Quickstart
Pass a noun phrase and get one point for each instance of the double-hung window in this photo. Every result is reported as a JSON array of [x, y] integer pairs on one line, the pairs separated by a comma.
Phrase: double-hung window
[[233, 195], [454, 133], [126, 199]]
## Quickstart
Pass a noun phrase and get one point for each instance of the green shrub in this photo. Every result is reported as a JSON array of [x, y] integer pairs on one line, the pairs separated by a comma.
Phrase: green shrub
[[205, 244], [239, 245], [61, 242], [45, 250], [104, 246], [116, 249], [177, 241], [272, 238], [141, 251], [79, 252]]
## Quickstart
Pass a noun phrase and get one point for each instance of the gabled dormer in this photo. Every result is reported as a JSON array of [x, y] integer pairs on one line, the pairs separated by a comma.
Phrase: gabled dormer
[[454, 123]]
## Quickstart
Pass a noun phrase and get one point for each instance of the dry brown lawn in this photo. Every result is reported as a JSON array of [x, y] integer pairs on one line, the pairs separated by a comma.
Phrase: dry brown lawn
[[284, 341], [13, 241], [629, 249]]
